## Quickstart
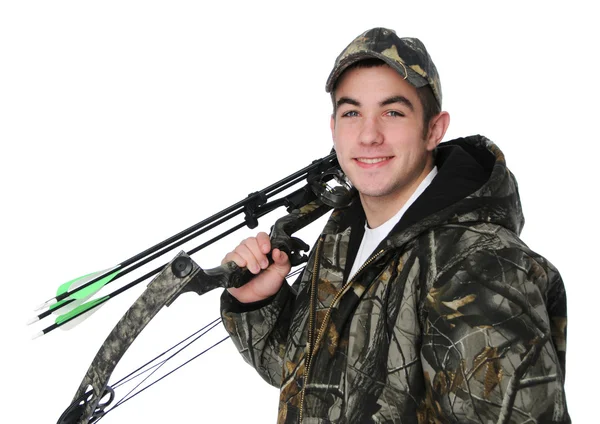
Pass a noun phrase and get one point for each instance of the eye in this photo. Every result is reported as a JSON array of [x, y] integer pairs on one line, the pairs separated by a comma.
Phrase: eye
[[350, 114], [394, 113]]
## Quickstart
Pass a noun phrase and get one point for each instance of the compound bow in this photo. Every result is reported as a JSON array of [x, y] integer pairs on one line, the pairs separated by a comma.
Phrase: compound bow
[[182, 274]]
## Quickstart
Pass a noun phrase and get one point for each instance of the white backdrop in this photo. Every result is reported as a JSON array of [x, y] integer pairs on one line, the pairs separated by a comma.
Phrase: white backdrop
[[124, 122]]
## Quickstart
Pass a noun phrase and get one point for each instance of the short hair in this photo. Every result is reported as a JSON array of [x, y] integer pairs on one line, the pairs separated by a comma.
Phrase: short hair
[[428, 102]]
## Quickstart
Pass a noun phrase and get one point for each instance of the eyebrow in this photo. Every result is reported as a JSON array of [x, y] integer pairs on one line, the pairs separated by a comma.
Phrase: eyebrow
[[394, 99], [398, 99], [347, 101]]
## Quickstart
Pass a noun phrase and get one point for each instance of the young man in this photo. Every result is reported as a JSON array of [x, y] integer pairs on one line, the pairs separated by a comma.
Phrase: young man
[[419, 303]]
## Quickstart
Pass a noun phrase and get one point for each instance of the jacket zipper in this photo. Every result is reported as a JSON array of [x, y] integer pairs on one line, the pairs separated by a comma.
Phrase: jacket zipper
[[311, 320], [312, 309]]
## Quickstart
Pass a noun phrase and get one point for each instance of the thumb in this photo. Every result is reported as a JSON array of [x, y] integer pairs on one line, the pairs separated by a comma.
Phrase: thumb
[[280, 260]]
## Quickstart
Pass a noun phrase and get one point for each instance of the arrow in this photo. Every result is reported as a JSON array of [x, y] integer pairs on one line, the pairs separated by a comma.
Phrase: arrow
[[247, 206], [71, 315], [85, 286], [75, 292], [84, 310]]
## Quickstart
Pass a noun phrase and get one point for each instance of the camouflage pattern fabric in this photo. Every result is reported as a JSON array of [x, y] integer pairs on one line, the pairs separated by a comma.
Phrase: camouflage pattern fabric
[[452, 320], [407, 55]]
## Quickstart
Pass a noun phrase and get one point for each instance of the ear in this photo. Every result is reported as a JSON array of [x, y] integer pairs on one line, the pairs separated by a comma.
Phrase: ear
[[437, 129], [332, 126]]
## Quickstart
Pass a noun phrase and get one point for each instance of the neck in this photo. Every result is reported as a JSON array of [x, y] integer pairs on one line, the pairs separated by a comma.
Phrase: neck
[[379, 209]]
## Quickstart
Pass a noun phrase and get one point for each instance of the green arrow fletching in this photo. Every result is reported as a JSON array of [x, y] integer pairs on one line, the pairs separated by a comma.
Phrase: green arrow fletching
[[80, 310], [85, 292]]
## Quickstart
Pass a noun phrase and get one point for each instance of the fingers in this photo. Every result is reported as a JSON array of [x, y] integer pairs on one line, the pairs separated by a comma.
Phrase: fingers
[[281, 263], [264, 242], [251, 253], [279, 257]]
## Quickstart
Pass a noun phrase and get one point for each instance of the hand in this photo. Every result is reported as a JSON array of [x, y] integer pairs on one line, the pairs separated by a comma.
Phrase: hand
[[252, 254]]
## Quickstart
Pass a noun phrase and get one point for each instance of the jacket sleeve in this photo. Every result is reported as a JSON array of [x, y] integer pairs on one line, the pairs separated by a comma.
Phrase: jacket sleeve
[[494, 339], [259, 330]]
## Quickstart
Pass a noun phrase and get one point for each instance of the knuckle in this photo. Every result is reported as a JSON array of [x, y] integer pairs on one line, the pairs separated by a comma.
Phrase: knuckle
[[238, 259]]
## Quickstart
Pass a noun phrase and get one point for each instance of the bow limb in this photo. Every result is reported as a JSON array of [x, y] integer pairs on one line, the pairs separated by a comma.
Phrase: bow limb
[[86, 406]]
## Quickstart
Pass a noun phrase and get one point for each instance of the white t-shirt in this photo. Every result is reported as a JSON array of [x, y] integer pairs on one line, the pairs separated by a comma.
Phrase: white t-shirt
[[374, 236]]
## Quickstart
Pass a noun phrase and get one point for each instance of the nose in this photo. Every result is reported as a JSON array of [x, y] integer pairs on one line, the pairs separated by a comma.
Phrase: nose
[[370, 132]]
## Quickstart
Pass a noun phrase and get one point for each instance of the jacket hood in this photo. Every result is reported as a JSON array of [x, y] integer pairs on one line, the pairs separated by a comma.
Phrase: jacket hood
[[473, 184]]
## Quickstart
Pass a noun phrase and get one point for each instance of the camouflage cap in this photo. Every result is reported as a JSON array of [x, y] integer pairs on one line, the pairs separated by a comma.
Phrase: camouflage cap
[[406, 55]]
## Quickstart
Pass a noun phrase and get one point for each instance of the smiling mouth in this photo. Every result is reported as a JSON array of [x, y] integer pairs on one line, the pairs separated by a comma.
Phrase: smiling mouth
[[372, 160]]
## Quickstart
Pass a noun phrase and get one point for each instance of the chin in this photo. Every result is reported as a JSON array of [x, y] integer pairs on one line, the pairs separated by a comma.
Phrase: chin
[[374, 191]]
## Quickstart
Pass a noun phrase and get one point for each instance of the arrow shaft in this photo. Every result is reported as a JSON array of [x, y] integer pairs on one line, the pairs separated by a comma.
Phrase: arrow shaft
[[197, 229], [64, 319]]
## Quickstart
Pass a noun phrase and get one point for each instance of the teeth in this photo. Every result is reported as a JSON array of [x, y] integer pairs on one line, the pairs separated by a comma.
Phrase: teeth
[[374, 160]]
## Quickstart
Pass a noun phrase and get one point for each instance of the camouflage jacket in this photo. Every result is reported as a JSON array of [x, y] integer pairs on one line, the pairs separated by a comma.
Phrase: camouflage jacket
[[453, 319]]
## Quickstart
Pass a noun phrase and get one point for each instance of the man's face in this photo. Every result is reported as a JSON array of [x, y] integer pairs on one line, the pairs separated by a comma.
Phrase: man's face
[[378, 133]]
